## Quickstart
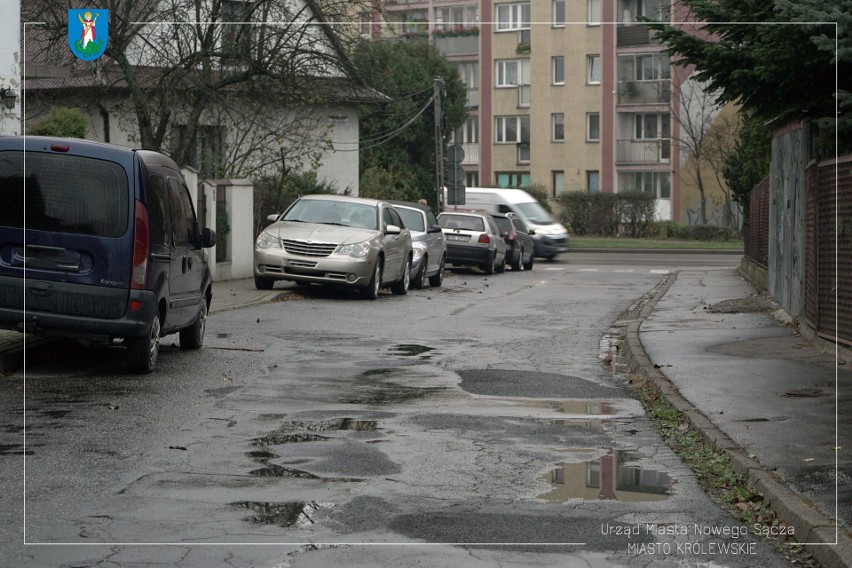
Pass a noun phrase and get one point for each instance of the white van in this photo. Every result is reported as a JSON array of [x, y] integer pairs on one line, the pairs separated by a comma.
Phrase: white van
[[550, 237]]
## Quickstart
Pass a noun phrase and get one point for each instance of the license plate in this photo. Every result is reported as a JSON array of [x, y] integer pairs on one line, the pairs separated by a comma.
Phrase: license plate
[[458, 237]]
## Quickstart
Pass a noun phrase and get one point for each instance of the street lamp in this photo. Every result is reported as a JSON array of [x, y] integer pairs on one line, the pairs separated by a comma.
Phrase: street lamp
[[9, 97]]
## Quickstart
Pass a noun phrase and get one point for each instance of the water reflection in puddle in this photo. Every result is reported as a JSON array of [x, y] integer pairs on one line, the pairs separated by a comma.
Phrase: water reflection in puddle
[[330, 425], [410, 349], [290, 514], [610, 477], [575, 407]]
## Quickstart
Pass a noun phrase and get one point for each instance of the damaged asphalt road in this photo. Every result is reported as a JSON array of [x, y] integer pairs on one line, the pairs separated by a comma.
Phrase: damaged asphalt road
[[482, 414]]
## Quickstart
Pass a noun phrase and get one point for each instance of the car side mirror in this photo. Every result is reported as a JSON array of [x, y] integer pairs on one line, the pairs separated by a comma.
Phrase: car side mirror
[[531, 232], [208, 238], [272, 218], [392, 230], [504, 234], [435, 229]]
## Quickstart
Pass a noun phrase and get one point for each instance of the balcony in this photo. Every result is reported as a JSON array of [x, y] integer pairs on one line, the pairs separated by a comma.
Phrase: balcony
[[457, 45], [637, 152], [473, 98], [471, 153], [634, 35], [645, 92]]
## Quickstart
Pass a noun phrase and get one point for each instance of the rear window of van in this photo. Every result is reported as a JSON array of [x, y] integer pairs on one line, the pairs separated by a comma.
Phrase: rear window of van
[[61, 193]]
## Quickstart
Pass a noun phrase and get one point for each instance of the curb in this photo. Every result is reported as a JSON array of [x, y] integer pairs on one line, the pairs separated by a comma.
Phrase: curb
[[831, 547]]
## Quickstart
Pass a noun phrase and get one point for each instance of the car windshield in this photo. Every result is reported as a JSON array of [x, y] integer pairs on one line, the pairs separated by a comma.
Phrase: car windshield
[[463, 222], [535, 213], [413, 219], [327, 212]]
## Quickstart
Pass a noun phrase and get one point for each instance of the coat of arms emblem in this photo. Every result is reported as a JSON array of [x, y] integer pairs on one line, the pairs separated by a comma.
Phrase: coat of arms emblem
[[88, 31]]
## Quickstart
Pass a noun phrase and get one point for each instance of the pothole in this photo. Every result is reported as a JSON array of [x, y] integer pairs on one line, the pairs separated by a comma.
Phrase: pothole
[[329, 425], [574, 407], [288, 514], [609, 477], [278, 439], [410, 349], [281, 471]]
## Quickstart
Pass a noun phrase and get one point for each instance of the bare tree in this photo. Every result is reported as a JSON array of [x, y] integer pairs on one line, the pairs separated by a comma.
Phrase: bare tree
[[707, 136], [261, 68]]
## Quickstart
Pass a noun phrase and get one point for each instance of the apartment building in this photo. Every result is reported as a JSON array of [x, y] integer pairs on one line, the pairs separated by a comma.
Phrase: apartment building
[[569, 95]]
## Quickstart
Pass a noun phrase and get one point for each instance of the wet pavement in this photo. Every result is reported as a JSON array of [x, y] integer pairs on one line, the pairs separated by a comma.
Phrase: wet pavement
[[320, 434]]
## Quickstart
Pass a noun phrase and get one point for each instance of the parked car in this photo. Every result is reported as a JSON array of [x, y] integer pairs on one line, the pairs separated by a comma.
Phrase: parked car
[[473, 239], [337, 240], [427, 238], [520, 248], [551, 238], [100, 242]]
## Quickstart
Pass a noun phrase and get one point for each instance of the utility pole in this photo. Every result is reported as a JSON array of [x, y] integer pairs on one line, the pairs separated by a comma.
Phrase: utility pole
[[437, 94]]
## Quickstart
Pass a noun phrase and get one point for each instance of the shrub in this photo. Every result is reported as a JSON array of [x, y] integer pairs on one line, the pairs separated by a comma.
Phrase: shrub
[[665, 229], [274, 194], [63, 122], [606, 213], [636, 211], [539, 192]]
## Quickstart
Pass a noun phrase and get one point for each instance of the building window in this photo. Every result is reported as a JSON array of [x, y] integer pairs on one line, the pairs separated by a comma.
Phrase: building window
[[657, 183], [652, 126], [593, 181], [558, 183], [512, 129], [513, 72], [365, 24], [558, 70], [513, 16], [517, 180], [593, 69], [557, 121], [593, 127], [594, 12], [559, 13], [456, 17]]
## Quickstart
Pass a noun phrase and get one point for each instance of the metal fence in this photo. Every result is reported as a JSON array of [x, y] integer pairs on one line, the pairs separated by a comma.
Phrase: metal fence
[[756, 226], [828, 245], [828, 249]]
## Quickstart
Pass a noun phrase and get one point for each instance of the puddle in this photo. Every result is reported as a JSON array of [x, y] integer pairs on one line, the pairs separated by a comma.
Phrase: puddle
[[278, 439], [261, 455], [378, 372], [393, 394], [293, 514], [609, 477], [576, 407], [770, 419], [593, 425], [330, 425], [55, 413], [15, 450], [410, 349], [281, 471], [610, 344]]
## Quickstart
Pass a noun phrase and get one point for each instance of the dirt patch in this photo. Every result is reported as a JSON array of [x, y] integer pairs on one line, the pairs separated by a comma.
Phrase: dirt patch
[[762, 303]]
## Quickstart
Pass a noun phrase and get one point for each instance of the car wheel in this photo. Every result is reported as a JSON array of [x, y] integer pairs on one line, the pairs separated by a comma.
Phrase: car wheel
[[438, 278], [517, 263], [490, 266], [400, 287], [192, 337], [529, 265], [142, 352], [371, 292], [262, 283], [420, 281]]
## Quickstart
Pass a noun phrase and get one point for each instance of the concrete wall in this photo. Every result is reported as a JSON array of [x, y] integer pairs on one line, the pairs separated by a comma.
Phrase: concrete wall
[[786, 273]]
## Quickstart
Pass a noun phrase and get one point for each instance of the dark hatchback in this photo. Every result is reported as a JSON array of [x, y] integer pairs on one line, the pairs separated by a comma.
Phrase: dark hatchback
[[520, 247], [100, 242]]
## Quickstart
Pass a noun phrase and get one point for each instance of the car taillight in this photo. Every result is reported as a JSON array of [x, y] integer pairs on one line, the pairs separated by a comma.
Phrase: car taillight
[[484, 239], [139, 273]]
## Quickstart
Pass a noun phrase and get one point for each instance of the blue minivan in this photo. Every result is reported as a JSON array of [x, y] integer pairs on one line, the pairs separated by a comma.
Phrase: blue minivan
[[100, 242]]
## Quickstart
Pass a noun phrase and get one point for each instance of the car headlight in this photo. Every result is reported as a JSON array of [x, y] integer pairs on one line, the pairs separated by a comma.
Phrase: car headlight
[[357, 250], [418, 252], [265, 241]]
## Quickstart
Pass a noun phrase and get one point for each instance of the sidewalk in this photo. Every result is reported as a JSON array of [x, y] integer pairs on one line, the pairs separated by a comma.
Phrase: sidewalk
[[759, 391]]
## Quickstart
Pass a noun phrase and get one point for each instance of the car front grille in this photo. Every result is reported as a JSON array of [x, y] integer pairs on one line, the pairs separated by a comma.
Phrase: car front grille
[[303, 248]]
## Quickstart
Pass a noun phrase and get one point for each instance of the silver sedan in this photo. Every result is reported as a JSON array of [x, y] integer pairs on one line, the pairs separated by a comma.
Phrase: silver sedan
[[338, 240]]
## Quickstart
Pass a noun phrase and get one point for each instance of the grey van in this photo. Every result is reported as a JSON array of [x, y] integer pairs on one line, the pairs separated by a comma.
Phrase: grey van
[[100, 242]]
